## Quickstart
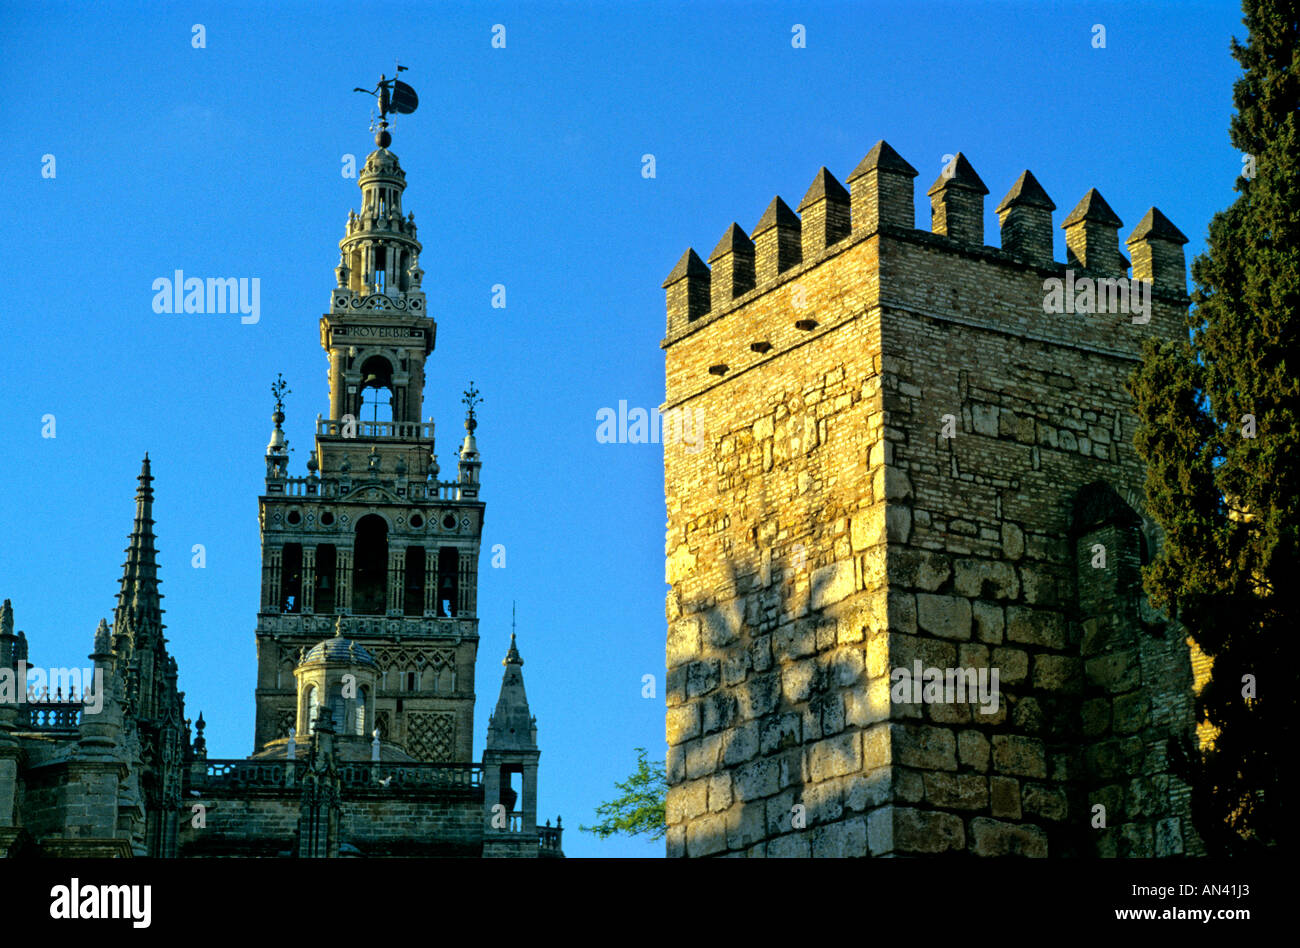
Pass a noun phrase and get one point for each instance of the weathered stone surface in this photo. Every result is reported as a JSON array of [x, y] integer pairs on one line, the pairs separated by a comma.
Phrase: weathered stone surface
[[1116, 673], [835, 756], [1004, 797], [1058, 673], [830, 584], [868, 703], [995, 838], [989, 621], [745, 825], [1012, 665], [1044, 802], [844, 840], [973, 750], [923, 746], [991, 579], [741, 744], [682, 723], [683, 641], [956, 791], [1022, 756], [866, 790], [1036, 627], [945, 616], [706, 835], [924, 831], [918, 569], [793, 846], [758, 779]]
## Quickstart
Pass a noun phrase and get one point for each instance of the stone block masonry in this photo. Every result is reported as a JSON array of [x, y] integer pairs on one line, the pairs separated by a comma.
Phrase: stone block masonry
[[906, 458]]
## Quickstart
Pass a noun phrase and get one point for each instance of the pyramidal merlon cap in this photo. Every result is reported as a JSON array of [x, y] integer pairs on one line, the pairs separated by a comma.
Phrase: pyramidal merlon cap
[[1155, 226], [1092, 208], [958, 174], [1026, 192], [882, 157], [690, 264], [732, 241], [824, 187], [778, 214]]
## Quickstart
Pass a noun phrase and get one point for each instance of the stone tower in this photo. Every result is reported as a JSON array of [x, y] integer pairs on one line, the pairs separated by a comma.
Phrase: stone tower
[[370, 544], [918, 464]]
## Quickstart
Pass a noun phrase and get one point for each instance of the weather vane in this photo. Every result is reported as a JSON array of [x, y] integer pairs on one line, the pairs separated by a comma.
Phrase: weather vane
[[280, 388], [470, 400], [394, 96]]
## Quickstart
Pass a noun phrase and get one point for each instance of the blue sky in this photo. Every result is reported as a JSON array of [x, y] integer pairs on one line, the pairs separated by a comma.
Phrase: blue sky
[[523, 168]]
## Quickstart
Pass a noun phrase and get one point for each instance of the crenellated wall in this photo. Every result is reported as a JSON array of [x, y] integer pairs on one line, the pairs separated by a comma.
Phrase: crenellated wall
[[906, 456]]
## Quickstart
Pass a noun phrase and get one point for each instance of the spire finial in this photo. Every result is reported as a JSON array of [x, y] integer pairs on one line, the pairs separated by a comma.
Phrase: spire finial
[[338, 627]]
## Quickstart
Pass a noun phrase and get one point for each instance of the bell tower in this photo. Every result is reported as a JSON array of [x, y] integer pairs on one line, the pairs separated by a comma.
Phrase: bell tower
[[368, 543]]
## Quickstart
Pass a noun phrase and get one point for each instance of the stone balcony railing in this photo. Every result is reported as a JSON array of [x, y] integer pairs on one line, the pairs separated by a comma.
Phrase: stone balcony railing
[[51, 715], [548, 838], [264, 773], [330, 487], [374, 430]]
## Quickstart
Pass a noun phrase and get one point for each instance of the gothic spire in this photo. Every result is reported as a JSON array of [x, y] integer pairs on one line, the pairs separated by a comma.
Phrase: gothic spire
[[512, 726], [138, 616]]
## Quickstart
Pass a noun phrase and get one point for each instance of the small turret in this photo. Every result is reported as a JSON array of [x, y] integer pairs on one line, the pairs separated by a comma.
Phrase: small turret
[[277, 449], [470, 463]]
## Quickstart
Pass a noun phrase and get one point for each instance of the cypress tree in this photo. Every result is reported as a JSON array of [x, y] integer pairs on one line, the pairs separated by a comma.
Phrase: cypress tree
[[1218, 432]]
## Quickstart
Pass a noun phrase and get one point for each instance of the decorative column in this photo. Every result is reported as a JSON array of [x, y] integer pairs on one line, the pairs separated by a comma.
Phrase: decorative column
[[465, 586], [431, 581], [395, 590], [343, 582], [308, 579]]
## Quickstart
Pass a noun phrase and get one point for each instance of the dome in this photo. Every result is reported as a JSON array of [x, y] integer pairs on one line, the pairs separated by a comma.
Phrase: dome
[[339, 649]]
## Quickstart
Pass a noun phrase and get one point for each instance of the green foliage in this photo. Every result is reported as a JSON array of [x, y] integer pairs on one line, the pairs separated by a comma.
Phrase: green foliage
[[1227, 503], [639, 810]]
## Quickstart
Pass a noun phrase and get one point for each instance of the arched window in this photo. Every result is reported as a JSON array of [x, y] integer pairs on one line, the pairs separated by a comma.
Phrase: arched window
[[313, 708], [363, 698], [376, 390], [339, 712]]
